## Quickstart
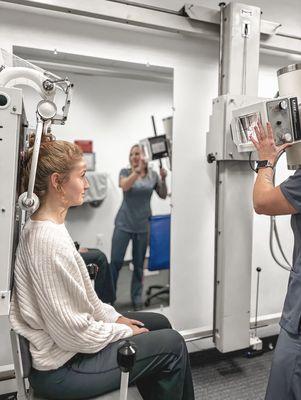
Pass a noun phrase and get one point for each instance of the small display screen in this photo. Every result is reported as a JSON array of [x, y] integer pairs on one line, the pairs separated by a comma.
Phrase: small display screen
[[159, 147]]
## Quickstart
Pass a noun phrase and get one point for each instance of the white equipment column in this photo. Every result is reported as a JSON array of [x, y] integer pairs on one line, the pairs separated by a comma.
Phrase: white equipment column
[[11, 126], [239, 60]]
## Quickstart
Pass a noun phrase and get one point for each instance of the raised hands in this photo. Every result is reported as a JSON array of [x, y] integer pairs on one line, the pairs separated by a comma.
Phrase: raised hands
[[265, 143]]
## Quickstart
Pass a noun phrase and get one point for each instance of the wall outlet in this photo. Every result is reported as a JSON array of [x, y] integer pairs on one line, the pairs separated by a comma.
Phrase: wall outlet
[[99, 240]]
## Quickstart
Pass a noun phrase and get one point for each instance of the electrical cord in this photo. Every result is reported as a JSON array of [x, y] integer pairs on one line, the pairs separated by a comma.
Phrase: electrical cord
[[273, 228], [274, 231], [250, 162], [278, 241]]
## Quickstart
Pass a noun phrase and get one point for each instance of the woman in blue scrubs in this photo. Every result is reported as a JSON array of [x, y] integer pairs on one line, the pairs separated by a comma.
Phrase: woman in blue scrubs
[[132, 221], [285, 377]]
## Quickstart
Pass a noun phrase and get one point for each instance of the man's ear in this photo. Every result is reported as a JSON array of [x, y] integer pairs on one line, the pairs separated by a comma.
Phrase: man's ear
[[55, 181]]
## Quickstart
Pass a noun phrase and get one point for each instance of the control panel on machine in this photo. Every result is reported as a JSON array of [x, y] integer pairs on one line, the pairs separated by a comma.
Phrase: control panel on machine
[[282, 113]]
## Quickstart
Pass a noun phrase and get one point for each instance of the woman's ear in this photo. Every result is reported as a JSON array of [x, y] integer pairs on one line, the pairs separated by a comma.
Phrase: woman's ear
[[55, 181]]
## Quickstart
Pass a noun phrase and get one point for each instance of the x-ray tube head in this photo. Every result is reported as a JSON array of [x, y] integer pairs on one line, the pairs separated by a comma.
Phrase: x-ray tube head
[[289, 82], [154, 148]]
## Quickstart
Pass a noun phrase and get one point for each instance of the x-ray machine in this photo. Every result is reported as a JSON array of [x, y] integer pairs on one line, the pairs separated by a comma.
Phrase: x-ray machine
[[236, 111]]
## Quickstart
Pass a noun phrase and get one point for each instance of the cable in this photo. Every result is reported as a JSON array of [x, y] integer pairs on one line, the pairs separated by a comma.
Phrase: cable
[[278, 242], [250, 162], [274, 230]]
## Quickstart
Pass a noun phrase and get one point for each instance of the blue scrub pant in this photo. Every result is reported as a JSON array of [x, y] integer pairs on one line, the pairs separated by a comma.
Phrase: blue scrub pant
[[120, 243], [285, 376]]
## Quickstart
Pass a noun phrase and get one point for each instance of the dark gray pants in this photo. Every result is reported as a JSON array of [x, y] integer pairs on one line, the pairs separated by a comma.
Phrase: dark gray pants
[[120, 242], [161, 371], [104, 285], [285, 376]]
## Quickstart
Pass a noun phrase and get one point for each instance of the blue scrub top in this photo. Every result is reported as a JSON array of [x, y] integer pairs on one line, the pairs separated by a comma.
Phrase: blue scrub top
[[135, 209], [290, 320]]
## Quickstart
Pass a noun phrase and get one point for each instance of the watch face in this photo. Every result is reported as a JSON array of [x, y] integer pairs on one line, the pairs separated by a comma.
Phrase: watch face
[[262, 163]]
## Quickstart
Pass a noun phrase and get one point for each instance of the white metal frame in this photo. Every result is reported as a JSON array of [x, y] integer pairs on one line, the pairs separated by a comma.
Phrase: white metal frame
[[239, 63], [191, 20], [9, 147]]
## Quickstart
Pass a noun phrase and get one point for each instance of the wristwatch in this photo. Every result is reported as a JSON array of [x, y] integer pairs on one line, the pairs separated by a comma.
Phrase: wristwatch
[[263, 164]]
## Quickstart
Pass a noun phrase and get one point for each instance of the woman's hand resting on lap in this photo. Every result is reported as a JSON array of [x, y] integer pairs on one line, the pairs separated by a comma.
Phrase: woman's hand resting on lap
[[136, 330], [136, 326]]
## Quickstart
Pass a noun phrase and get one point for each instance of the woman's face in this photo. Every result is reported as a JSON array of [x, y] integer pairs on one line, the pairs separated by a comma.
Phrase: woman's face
[[74, 188], [135, 156]]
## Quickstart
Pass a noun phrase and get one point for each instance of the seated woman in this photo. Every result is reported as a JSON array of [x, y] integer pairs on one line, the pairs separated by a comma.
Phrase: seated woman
[[73, 335]]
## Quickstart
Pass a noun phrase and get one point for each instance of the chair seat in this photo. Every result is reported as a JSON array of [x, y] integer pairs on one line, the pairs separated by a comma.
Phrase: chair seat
[[133, 394]]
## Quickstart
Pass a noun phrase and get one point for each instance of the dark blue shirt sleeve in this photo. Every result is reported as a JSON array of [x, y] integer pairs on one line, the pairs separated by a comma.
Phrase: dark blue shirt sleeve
[[291, 189], [124, 173]]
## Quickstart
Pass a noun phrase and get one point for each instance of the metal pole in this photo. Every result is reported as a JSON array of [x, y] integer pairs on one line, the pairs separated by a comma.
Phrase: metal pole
[[244, 61], [34, 162], [258, 269], [124, 385], [126, 357], [156, 134], [216, 233], [154, 125], [221, 49]]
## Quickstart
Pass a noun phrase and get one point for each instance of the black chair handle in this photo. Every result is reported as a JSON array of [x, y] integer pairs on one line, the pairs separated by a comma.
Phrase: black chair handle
[[126, 356]]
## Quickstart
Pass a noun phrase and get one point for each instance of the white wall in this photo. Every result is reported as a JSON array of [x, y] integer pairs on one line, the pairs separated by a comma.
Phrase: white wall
[[195, 84], [115, 113]]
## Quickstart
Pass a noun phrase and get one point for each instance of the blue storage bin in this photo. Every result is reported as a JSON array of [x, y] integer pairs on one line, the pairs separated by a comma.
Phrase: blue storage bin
[[159, 252]]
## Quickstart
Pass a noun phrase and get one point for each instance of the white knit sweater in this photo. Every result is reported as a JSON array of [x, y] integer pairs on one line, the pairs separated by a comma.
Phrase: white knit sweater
[[54, 304]]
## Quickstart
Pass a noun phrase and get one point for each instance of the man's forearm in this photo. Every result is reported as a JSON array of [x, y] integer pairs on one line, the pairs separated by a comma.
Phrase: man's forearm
[[263, 184]]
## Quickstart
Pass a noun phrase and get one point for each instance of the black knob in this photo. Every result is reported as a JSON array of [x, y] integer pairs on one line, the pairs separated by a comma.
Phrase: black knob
[[278, 122], [3, 100], [210, 158], [258, 269], [92, 270], [126, 356]]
